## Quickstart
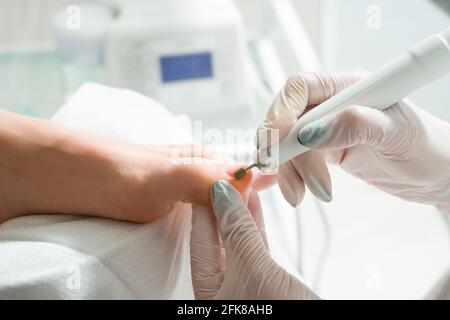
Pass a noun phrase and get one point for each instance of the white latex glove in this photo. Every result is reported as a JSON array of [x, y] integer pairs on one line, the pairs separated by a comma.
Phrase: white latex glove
[[301, 93], [402, 150], [229, 255]]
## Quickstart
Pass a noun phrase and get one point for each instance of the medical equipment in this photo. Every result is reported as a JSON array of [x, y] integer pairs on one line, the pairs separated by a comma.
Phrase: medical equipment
[[240, 173], [190, 56], [420, 65]]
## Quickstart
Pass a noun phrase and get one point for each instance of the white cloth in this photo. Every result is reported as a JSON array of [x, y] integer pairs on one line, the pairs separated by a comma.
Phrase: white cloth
[[73, 257]]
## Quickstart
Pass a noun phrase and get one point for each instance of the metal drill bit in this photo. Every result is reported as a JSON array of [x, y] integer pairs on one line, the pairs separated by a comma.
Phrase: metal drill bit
[[241, 172]]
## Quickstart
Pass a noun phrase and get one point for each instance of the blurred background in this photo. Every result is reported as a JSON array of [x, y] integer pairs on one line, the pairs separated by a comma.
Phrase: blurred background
[[210, 58]]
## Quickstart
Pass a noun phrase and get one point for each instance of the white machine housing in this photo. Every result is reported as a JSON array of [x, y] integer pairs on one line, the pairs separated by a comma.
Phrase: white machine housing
[[188, 55]]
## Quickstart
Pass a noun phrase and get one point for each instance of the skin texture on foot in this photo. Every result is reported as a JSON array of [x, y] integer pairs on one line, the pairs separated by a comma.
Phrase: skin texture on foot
[[46, 168]]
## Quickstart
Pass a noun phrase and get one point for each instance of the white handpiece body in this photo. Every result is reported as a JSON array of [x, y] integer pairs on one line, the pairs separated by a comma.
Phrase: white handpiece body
[[420, 65]]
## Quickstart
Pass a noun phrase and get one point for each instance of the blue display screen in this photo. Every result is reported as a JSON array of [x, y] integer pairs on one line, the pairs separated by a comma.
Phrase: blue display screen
[[186, 66]]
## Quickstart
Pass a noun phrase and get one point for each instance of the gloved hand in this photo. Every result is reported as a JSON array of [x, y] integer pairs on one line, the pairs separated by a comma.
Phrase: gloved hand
[[245, 269], [402, 150], [301, 93]]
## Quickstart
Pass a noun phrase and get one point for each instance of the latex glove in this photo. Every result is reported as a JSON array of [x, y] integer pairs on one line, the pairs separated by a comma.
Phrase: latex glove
[[244, 269], [300, 93], [402, 150]]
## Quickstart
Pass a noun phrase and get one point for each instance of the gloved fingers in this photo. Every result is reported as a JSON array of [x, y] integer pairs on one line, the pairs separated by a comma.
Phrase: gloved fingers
[[240, 236], [254, 206], [251, 272], [291, 184], [303, 90], [324, 85], [335, 156], [263, 181], [206, 253], [348, 127], [312, 167]]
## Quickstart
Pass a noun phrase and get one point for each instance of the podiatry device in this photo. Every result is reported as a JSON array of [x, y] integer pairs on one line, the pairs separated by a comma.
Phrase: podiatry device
[[188, 55], [420, 65]]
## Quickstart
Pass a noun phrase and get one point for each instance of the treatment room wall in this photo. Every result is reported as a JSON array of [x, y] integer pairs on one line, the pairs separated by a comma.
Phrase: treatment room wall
[[351, 38], [29, 21]]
